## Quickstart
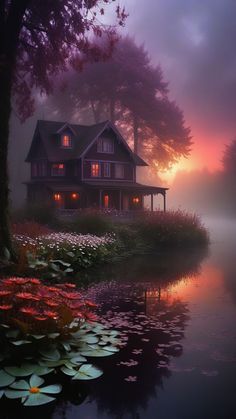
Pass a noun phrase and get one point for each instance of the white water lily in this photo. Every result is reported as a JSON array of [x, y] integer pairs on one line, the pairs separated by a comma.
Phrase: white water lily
[[31, 393]]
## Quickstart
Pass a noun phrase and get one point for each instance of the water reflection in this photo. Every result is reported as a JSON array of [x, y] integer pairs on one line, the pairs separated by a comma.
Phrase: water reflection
[[178, 313]]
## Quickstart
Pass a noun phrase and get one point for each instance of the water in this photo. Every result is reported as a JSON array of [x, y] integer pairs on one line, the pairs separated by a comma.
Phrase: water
[[179, 313]]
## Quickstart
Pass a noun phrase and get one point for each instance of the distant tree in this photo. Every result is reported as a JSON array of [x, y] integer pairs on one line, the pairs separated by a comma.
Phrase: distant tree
[[229, 159], [130, 91], [39, 39]]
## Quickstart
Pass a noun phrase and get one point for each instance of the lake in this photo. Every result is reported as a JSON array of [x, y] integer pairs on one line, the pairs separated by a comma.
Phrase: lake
[[177, 316]]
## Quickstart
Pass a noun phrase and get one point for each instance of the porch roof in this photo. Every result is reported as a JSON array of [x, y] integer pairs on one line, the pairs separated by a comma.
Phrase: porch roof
[[64, 188], [127, 186]]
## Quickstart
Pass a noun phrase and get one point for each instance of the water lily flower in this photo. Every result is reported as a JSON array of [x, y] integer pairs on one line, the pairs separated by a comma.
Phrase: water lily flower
[[31, 393], [6, 307]]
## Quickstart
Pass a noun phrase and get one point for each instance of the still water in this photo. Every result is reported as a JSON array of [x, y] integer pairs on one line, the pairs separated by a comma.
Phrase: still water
[[178, 315]]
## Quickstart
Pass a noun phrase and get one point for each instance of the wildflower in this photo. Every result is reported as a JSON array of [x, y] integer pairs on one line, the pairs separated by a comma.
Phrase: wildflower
[[27, 296]]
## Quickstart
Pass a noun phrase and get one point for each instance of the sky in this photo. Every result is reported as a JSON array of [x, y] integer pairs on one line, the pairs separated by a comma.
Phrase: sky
[[194, 41]]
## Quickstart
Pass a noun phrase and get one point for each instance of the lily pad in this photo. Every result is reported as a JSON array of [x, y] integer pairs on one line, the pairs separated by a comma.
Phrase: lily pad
[[6, 379], [87, 372]]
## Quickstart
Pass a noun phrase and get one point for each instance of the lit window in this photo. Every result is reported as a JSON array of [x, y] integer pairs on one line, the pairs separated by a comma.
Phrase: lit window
[[57, 197], [95, 170], [107, 170], [105, 145], [119, 171], [58, 169], [66, 141]]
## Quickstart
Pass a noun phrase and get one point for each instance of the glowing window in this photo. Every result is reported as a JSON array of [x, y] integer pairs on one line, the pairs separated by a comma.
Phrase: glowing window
[[57, 197], [58, 169], [66, 141], [95, 170]]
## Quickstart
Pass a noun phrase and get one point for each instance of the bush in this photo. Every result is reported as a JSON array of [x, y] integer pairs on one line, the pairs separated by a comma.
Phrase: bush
[[30, 228], [43, 214], [92, 223], [170, 229]]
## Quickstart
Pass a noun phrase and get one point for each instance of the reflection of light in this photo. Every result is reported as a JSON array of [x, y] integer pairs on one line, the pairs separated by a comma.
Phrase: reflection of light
[[152, 294], [57, 197]]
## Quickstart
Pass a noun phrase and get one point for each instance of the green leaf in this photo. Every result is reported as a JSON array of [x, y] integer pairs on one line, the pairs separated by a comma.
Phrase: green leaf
[[87, 372], [13, 333], [89, 338], [7, 254], [5, 379], [53, 335], [78, 359], [97, 353], [68, 371], [42, 370], [51, 354], [38, 399], [23, 371], [21, 342]]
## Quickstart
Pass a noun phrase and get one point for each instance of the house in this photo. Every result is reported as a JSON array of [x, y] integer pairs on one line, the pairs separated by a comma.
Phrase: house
[[79, 166]]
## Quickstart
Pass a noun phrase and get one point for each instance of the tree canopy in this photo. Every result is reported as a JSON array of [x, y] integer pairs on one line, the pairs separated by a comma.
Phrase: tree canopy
[[131, 92]]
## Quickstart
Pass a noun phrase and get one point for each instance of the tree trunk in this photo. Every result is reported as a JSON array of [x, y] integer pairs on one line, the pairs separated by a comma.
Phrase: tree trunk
[[6, 247], [135, 133]]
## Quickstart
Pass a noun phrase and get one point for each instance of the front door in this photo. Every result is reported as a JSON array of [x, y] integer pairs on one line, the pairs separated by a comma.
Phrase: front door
[[106, 201]]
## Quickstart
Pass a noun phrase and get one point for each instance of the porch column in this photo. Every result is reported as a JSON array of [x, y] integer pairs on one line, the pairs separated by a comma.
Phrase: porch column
[[120, 200], [100, 198], [164, 196], [152, 202]]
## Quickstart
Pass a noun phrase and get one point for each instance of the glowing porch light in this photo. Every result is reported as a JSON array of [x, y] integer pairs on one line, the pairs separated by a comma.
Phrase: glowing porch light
[[136, 200], [74, 195]]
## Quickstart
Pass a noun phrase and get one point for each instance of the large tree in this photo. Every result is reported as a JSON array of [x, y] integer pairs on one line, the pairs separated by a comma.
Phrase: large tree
[[130, 91], [39, 39]]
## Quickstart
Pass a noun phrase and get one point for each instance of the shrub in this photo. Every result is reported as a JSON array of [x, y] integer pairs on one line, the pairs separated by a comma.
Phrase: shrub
[[43, 214], [91, 222], [170, 229], [30, 228]]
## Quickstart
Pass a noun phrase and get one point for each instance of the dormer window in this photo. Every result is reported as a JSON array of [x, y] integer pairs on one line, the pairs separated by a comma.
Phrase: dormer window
[[105, 145], [58, 169], [66, 141]]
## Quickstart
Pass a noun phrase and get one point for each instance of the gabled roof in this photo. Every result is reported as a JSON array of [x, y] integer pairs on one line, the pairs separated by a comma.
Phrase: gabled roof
[[85, 135]]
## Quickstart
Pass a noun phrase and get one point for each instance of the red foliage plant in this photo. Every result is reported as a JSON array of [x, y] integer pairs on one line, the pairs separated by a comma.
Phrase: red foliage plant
[[34, 307], [30, 229]]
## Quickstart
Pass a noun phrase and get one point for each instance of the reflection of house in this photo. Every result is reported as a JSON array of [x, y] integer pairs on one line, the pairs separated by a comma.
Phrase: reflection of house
[[78, 166]]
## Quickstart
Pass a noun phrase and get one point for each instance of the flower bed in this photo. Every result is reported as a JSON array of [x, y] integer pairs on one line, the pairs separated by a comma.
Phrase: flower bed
[[45, 330], [58, 254]]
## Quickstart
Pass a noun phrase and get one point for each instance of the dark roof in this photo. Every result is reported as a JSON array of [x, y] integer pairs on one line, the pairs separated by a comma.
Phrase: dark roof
[[48, 131], [128, 186]]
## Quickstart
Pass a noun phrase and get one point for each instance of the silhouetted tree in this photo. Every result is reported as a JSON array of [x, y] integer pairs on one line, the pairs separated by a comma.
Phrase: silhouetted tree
[[37, 40], [229, 158], [130, 91]]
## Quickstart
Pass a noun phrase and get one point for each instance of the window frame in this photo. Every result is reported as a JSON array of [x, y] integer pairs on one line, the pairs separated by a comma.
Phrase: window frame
[[69, 146], [59, 172], [95, 163], [100, 145], [107, 173]]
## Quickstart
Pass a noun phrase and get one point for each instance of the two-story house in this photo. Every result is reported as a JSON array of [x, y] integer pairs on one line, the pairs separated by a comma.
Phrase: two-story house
[[78, 166]]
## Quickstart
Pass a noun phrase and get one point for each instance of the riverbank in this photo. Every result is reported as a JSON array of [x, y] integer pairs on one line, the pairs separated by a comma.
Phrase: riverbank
[[60, 249]]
